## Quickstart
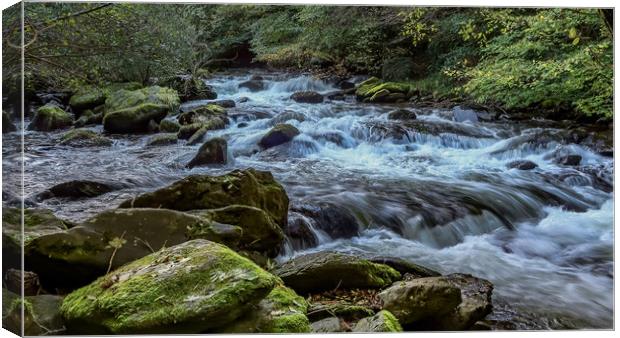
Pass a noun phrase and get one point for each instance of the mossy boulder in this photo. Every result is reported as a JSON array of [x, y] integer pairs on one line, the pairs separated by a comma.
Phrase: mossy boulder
[[123, 99], [50, 117], [192, 287], [7, 123], [365, 86], [383, 321], [168, 126], [88, 118], [279, 134], [329, 270], [212, 152], [84, 138], [135, 119], [260, 232], [89, 97], [453, 302], [406, 268], [282, 311], [190, 87], [163, 139], [188, 130], [202, 114], [198, 137], [113, 238], [41, 314], [249, 187], [373, 90]]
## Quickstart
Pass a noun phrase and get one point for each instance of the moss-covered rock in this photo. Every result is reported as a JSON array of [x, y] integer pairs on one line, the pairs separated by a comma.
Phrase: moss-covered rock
[[7, 123], [168, 126], [406, 268], [193, 287], [88, 118], [202, 114], [123, 99], [50, 117], [245, 187], [84, 138], [41, 314], [190, 87], [134, 119], [37, 223], [282, 311], [383, 321], [113, 238], [279, 134], [188, 130], [89, 97], [198, 137], [364, 87], [260, 232], [373, 90], [329, 270], [163, 139], [214, 151], [452, 302]]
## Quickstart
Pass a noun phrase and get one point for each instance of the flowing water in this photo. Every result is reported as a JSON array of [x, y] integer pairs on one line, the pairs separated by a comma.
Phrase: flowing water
[[434, 191]]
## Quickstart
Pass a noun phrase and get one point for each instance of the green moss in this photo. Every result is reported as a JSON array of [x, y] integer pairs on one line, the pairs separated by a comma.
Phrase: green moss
[[383, 321], [84, 137], [365, 86], [188, 288], [135, 118], [123, 99], [50, 117], [87, 97]]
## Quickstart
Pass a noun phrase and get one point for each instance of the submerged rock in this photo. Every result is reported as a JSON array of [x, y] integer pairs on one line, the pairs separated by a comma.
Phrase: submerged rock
[[383, 321], [279, 134], [329, 270], [214, 151], [165, 292], [245, 187], [401, 114], [84, 138], [78, 189], [253, 85], [282, 311], [287, 116], [41, 314], [162, 140], [50, 117], [522, 165], [307, 97], [571, 160], [113, 238]]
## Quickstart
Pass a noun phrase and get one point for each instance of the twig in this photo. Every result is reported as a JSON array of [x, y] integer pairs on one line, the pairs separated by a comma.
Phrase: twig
[[113, 254]]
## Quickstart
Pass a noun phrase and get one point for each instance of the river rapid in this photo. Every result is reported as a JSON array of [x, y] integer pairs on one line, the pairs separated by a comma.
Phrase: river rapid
[[435, 191]]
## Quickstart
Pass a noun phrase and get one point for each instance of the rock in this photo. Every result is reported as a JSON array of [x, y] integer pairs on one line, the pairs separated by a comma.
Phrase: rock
[[7, 123], [279, 134], [343, 310], [571, 160], [190, 88], [245, 187], [166, 292], [405, 267], [307, 97], [135, 119], [335, 221], [84, 252], [372, 90], [401, 114], [344, 84], [50, 117], [15, 281], [331, 324], [164, 139], [464, 115], [152, 96], [287, 116], [522, 165], [187, 131], [214, 151], [453, 302], [338, 95], [243, 99], [88, 118], [41, 314], [225, 103], [299, 233], [253, 85], [282, 311], [329, 270], [153, 127], [197, 137], [242, 125], [90, 97], [169, 126], [398, 69], [84, 138], [259, 232], [383, 321], [203, 114], [77, 189]]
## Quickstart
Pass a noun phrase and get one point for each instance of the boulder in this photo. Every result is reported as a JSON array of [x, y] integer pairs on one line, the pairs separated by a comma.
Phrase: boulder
[[244, 187], [383, 321], [188, 130], [169, 126], [204, 114], [299, 233], [453, 302], [152, 127], [401, 114], [163, 139], [192, 287], [282, 311], [279, 134], [16, 280], [214, 151], [522, 165], [253, 85], [41, 314], [225, 103], [7, 123], [307, 97], [329, 270], [327, 325], [190, 87], [405, 268], [84, 138], [287, 116], [113, 238], [135, 119], [88, 118], [259, 231], [50, 117], [197, 137], [570, 160], [372, 90], [77, 189], [155, 96], [89, 97], [334, 220]]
